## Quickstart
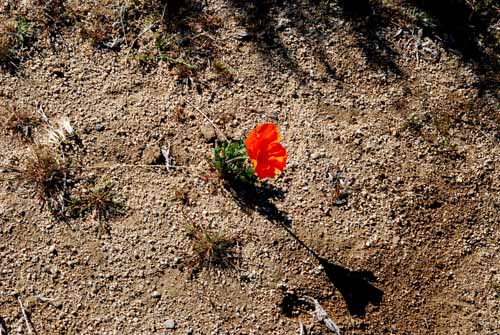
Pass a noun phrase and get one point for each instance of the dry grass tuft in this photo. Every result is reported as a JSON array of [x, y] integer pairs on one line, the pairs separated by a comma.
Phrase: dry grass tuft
[[212, 250], [18, 123], [8, 41], [100, 201], [48, 175]]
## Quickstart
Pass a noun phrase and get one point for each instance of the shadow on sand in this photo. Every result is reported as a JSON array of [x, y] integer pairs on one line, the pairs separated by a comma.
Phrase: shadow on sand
[[355, 286]]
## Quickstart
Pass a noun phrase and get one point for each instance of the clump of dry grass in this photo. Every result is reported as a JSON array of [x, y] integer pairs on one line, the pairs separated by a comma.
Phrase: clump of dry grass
[[98, 22], [212, 250], [101, 201], [180, 114], [48, 175], [18, 122], [8, 41]]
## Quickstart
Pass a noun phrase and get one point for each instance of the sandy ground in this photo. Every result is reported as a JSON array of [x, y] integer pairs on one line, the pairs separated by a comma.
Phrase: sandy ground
[[392, 182]]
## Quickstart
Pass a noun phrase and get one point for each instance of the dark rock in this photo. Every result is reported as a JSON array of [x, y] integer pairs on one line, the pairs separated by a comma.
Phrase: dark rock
[[100, 127]]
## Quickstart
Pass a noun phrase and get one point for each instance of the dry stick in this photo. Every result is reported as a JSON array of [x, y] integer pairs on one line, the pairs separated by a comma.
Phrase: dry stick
[[141, 166], [43, 116], [204, 34], [145, 30], [3, 331], [208, 119], [122, 13], [302, 329], [163, 13], [321, 315], [31, 330], [166, 155]]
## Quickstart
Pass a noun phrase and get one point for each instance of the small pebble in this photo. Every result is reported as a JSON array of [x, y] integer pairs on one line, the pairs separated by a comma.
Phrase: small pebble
[[156, 295], [52, 250], [99, 127], [317, 155], [170, 324]]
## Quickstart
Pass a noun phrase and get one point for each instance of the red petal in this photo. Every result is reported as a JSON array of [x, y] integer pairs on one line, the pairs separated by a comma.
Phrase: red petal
[[260, 137], [265, 171], [277, 156]]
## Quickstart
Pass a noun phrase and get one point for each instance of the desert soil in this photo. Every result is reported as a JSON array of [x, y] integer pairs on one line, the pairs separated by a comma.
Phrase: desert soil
[[392, 180]]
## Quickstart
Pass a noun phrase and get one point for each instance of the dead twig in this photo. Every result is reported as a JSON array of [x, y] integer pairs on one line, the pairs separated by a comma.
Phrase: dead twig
[[155, 166], [29, 325], [302, 329], [52, 302], [208, 119], [3, 327], [123, 10], [43, 116], [319, 314], [167, 155], [145, 30]]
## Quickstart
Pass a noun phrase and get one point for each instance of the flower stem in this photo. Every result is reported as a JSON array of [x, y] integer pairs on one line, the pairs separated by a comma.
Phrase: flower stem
[[236, 159]]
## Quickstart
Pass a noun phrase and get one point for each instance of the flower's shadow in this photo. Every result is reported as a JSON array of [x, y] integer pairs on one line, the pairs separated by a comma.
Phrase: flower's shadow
[[356, 287], [258, 197]]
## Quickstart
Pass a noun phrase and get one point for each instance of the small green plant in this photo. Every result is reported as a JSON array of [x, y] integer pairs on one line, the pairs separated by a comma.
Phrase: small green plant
[[419, 16], [49, 176], [212, 250], [100, 201], [223, 71], [14, 36], [447, 149], [413, 124], [24, 31], [18, 123], [231, 162]]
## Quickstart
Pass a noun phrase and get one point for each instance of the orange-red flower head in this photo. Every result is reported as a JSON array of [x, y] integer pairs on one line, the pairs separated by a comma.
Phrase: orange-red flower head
[[267, 155]]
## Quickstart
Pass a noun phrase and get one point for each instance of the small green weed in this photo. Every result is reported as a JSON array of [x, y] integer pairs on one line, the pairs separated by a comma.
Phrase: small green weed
[[231, 162], [447, 149], [15, 36], [24, 32], [224, 72], [413, 124], [212, 250]]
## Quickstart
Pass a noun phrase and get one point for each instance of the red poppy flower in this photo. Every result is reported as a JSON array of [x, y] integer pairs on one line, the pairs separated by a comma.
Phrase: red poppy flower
[[267, 155]]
